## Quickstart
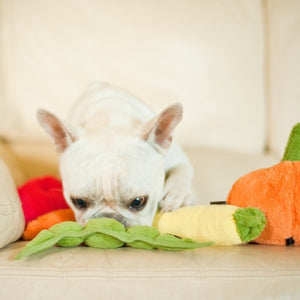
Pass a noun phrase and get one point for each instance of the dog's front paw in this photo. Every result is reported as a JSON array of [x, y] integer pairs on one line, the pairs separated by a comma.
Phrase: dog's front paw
[[175, 197]]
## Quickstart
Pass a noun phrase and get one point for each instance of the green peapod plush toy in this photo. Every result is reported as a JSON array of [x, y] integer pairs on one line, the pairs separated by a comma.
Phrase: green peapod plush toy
[[106, 233], [206, 225]]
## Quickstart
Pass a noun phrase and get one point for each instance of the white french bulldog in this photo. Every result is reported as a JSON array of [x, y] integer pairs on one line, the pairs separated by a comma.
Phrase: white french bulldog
[[117, 158]]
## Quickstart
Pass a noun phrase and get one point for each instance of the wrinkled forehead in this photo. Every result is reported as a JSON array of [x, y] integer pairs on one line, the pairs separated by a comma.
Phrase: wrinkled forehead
[[90, 169], [121, 153]]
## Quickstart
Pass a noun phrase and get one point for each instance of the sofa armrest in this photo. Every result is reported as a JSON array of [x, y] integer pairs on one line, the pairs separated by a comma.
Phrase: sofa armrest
[[11, 161], [11, 214]]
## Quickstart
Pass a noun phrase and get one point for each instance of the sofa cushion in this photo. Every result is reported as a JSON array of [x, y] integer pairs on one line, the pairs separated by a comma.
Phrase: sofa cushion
[[251, 271], [11, 214], [216, 272], [12, 162], [207, 54], [284, 49]]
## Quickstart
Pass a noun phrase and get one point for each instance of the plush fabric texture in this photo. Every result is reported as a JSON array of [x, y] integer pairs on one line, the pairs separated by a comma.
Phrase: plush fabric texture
[[40, 196], [225, 225], [292, 149], [106, 233], [276, 191], [46, 221], [250, 222]]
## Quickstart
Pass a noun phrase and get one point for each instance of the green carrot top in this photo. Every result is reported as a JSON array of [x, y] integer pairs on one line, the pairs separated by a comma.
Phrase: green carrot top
[[292, 149]]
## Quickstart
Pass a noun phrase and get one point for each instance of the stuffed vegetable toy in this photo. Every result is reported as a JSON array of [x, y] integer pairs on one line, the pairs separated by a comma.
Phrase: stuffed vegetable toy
[[276, 191], [206, 225]]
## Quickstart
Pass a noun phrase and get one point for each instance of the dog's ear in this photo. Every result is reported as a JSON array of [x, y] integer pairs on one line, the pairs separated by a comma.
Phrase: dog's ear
[[57, 130], [159, 130]]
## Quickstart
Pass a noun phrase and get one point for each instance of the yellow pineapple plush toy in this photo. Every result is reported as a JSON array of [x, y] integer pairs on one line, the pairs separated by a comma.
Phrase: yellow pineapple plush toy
[[225, 225]]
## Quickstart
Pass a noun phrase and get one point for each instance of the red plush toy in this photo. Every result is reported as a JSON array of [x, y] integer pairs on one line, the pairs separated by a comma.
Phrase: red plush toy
[[43, 205], [40, 196]]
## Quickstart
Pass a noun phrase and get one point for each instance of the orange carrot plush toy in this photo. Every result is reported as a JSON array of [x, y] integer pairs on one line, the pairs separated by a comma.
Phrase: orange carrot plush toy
[[46, 221], [276, 191]]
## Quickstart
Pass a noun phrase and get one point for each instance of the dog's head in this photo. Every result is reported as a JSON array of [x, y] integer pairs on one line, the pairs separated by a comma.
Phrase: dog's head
[[119, 176]]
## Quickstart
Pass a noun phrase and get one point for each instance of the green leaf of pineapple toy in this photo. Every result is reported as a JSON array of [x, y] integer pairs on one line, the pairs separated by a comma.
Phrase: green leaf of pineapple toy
[[224, 225]]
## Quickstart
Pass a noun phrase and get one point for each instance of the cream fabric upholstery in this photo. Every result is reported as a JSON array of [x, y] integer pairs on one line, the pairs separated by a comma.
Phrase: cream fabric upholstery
[[251, 272], [207, 54], [11, 214], [256, 272], [235, 67], [284, 69]]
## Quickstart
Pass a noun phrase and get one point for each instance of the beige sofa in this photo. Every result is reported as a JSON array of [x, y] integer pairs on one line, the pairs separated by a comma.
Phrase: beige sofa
[[235, 67]]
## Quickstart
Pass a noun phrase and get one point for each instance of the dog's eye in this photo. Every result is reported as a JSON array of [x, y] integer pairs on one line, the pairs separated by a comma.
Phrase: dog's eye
[[79, 203], [138, 203]]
